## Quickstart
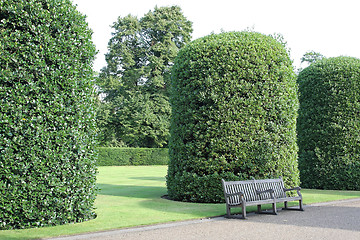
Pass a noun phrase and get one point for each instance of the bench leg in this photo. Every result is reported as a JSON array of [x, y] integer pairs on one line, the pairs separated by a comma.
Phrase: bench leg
[[258, 208], [301, 208], [274, 212], [228, 212], [274, 208], [301, 205], [243, 206]]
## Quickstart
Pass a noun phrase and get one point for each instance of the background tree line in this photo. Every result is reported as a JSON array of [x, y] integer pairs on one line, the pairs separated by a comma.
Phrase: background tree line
[[134, 110], [133, 107]]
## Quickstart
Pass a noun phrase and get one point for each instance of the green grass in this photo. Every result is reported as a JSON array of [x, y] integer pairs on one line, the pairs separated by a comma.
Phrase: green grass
[[131, 196]]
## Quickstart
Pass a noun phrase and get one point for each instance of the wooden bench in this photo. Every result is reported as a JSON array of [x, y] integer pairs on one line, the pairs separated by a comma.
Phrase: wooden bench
[[258, 192]]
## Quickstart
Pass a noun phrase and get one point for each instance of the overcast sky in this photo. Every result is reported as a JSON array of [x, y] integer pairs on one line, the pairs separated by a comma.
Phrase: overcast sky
[[330, 27]]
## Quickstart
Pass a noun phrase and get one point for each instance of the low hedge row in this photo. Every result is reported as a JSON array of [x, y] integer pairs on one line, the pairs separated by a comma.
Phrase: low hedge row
[[109, 156]]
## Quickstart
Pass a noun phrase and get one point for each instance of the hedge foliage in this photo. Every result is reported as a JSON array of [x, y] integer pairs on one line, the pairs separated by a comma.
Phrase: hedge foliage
[[47, 126], [329, 124], [234, 108], [109, 156]]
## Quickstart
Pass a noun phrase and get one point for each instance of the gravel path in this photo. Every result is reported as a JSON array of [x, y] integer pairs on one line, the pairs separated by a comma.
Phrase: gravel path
[[333, 220]]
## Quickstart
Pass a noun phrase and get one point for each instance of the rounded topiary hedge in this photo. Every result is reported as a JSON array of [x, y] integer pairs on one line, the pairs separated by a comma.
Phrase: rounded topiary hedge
[[47, 126], [234, 108], [329, 124]]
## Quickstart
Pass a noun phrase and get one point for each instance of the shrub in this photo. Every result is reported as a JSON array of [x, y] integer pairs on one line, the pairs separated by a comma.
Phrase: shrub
[[47, 131], [234, 108], [109, 156], [328, 125]]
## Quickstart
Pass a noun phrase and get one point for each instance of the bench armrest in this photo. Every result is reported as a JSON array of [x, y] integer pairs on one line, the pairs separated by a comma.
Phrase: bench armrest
[[265, 191], [292, 189], [271, 191], [234, 198]]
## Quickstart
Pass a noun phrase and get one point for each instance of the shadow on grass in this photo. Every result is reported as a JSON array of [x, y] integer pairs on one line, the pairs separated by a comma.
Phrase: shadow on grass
[[152, 199], [132, 191], [160, 179]]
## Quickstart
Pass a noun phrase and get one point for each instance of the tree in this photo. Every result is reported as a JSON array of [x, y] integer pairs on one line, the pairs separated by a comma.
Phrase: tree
[[328, 124], [47, 116], [311, 57], [135, 80], [234, 108]]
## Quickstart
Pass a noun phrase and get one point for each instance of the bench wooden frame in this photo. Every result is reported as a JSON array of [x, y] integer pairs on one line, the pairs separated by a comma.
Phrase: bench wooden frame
[[258, 192]]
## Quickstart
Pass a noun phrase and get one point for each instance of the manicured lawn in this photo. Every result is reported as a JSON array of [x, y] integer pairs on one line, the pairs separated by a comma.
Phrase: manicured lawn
[[131, 196]]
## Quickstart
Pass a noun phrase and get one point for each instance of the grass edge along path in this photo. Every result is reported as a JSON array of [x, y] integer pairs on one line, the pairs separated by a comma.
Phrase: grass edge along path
[[131, 196]]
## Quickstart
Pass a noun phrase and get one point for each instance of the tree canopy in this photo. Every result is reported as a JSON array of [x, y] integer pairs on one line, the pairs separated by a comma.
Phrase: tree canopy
[[136, 111], [311, 57]]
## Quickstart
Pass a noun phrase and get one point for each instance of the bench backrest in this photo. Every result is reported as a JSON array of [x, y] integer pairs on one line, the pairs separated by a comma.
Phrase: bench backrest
[[249, 188], [276, 184]]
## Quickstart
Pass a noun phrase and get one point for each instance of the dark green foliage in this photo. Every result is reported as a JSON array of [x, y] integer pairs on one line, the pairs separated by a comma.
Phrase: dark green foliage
[[47, 125], [234, 108], [109, 156], [136, 110], [329, 124]]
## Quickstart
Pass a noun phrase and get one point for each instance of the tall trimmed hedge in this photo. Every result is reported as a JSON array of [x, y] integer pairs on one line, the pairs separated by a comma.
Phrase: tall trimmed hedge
[[234, 108], [47, 126], [329, 124]]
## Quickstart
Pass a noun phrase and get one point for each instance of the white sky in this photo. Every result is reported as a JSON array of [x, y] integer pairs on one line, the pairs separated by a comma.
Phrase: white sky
[[330, 27]]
